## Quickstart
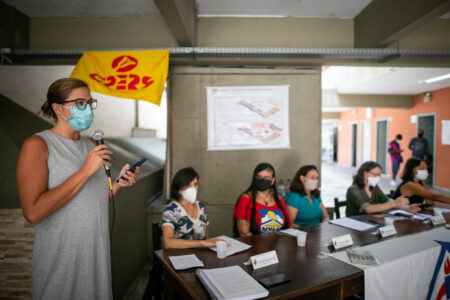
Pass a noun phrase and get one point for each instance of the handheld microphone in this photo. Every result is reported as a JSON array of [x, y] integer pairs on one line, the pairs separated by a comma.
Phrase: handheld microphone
[[98, 138]]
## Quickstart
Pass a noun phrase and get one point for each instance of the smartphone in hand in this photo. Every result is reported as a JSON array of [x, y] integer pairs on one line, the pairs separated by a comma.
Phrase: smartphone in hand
[[133, 168]]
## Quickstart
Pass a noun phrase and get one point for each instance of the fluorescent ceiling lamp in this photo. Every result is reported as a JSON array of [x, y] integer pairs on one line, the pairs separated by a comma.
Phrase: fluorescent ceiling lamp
[[437, 78], [241, 16]]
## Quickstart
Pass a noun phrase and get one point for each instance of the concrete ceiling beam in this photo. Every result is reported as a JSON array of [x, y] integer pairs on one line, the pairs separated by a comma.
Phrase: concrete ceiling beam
[[383, 22], [181, 18]]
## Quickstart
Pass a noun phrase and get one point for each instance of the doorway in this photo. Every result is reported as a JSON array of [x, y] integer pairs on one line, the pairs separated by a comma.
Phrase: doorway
[[382, 144], [354, 145], [366, 135], [427, 124]]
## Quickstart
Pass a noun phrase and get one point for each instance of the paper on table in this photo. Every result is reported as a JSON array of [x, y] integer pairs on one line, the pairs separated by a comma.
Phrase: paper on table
[[400, 212], [235, 245], [352, 224], [231, 283], [290, 231], [417, 216], [182, 262]]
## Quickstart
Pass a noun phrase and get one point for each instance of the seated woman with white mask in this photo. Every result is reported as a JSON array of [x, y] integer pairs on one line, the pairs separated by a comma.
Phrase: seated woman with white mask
[[365, 197], [304, 204], [413, 186], [184, 220]]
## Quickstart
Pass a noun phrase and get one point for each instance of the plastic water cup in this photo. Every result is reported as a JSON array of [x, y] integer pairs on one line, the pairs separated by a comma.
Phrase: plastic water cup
[[301, 238], [388, 221], [221, 249], [437, 211]]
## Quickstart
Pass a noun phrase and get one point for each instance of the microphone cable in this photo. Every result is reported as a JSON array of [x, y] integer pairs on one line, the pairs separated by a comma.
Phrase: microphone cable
[[111, 230], [113, 211], [98, 138]]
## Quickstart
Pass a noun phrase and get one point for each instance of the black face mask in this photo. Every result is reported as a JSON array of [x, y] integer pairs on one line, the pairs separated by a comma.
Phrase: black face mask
[[263, 184], [420, 135]]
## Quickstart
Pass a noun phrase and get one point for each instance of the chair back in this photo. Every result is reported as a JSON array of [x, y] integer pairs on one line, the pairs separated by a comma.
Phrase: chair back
[[156, 236], [391, 194], [337, 205]]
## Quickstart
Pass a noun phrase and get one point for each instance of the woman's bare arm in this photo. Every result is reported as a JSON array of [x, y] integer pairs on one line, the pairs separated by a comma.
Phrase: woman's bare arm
[[414, 188], [171, 242], [32, 179]]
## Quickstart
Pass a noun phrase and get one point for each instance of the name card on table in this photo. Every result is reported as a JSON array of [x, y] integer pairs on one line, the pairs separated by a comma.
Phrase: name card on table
[[342, 241], [264, 259], [437, 220], [387, 230]]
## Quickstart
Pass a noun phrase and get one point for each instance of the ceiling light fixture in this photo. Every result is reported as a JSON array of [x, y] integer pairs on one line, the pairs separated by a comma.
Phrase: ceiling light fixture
[[435, 79]]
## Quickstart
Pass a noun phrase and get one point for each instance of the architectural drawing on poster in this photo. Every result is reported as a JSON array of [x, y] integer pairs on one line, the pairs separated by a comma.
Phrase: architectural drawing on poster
[[248, 117]]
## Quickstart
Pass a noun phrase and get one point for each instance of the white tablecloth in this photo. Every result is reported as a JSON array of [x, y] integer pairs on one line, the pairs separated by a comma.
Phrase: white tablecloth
[[408, 265]]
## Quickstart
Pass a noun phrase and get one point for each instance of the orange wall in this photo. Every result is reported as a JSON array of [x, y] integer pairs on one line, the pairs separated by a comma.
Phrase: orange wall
[[400, 122]]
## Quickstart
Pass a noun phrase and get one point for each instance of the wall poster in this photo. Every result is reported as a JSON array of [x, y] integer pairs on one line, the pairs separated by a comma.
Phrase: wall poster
[[248, 117]]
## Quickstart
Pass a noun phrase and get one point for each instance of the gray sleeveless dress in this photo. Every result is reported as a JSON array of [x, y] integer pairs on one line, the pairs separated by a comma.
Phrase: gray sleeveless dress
[[71, 257]]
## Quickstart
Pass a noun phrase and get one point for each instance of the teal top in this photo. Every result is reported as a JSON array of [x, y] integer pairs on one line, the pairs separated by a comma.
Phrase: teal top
[[307, 214]]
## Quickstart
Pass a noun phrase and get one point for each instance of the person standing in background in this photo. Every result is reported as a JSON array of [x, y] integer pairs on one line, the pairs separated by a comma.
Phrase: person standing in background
[[419, 146], [396, 157]]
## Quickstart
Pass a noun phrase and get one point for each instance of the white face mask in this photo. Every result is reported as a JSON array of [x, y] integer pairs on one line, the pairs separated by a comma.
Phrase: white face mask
[[373, 181], [190, 194], [311, 184], [422, 174], [398, 141]]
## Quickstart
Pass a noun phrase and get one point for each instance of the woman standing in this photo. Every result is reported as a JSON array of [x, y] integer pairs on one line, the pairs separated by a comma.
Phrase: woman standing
[[259, 208], [64, 193], [305, 206]]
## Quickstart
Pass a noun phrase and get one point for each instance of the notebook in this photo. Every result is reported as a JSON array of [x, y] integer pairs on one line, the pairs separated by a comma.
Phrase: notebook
[[231, 283]]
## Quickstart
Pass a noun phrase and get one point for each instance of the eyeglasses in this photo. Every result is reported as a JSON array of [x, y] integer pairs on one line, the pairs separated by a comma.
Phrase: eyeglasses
[[264, 177], [373, 174], [82, 103]]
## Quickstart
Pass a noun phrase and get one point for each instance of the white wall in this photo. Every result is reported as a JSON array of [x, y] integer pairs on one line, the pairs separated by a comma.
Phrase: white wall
[[27, 86]]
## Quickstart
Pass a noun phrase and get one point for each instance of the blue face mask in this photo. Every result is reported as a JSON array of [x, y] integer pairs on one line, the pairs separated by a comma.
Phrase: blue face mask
[[80, 119]]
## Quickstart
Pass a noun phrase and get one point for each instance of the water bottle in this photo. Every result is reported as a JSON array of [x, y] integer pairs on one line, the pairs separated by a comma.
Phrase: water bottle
[[281, 189], [288, 186]]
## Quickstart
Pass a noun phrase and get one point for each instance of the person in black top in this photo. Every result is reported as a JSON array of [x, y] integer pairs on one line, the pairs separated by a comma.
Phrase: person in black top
[[419, 146], [413, 186]]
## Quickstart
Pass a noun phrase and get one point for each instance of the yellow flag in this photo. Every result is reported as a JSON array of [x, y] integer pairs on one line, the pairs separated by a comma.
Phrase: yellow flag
[[139, 75]]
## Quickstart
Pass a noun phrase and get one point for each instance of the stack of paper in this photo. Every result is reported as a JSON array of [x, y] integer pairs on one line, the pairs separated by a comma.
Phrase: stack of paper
[[231, 283], [352, 224], [235, 245], [182, 262]]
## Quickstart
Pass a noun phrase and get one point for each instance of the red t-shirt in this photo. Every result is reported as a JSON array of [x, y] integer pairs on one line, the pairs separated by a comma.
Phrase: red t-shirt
[[267, 218]]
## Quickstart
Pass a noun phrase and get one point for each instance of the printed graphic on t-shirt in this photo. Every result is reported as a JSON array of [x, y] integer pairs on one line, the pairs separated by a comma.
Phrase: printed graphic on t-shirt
[[271, 220]]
